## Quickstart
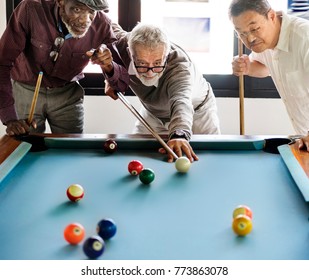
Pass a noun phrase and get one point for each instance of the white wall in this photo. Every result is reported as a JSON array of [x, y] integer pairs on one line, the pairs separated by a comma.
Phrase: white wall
[[262, 116], [104, 115]]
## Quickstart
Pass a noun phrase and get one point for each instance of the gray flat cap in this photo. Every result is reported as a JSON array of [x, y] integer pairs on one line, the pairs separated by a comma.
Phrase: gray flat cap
[[97, 5]]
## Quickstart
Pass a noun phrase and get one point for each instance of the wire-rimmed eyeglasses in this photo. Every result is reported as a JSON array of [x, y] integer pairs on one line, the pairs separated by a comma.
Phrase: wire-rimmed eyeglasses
[[56, 48], [244, 35]]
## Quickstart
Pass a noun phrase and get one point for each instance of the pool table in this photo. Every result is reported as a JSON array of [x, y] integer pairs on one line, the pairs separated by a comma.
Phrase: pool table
[[179, 216]]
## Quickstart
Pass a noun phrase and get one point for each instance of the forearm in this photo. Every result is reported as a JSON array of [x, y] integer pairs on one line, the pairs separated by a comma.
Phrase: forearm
[[258, 70], [119, 80], [182, 119]]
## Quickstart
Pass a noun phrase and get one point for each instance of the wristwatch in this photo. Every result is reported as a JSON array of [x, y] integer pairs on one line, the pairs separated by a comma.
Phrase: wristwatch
[[179, 134]]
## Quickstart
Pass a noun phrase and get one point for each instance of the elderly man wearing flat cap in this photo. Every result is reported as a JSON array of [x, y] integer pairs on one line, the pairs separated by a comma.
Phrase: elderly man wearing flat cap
[[57, 38]]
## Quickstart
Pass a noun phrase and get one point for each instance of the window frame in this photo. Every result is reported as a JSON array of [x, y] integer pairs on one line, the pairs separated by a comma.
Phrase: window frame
[[129, 14]]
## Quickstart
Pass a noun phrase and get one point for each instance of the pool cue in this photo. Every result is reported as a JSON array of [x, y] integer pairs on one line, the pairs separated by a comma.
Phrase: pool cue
[[144, 122], [241, 93], [35, 98]]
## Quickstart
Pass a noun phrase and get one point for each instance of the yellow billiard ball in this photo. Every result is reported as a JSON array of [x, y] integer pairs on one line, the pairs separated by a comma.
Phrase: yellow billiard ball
[[242, 210], [242, 225], [75, 192]]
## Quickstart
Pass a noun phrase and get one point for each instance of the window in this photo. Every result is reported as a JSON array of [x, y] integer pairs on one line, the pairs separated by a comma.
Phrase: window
[[201, 27]]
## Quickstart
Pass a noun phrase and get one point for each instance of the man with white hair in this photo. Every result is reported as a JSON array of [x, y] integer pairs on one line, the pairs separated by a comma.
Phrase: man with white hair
[[176, 98]]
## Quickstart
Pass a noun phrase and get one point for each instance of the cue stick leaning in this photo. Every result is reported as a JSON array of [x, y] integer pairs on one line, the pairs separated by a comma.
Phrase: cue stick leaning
[[144, 122], [241, 93], [35, 98]]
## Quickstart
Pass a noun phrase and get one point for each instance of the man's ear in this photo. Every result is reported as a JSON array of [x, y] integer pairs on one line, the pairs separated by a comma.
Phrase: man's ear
[[272, 14]]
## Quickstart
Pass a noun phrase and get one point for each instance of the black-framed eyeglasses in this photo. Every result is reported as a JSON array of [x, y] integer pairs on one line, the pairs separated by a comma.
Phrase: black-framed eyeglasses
[[59, 41], [154, 69]]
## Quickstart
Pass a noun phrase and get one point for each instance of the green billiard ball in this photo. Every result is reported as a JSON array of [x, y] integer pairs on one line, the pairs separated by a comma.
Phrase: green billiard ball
[[146, 176]]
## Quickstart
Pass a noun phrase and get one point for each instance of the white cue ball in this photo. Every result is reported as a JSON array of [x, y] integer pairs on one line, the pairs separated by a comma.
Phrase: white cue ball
[[182, 164]]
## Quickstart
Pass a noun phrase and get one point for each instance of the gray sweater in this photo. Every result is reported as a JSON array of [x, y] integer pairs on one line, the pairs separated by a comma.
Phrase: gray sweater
[[181, 88]]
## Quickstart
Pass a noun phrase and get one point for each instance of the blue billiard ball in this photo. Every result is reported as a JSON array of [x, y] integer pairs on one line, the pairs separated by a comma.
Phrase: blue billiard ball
[[106, 228], [94, 247]]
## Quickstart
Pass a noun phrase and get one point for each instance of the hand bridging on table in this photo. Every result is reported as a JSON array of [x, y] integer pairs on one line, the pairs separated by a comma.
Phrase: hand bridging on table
[[180, 146]]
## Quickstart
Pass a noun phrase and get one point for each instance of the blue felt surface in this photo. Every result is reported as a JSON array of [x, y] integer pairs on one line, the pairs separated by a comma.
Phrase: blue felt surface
[[179, 216]]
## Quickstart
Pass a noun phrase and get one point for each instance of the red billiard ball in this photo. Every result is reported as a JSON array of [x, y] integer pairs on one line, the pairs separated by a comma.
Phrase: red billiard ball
[[74, 233], [75, 192], [146, 176], [135, 167], [242, 210], [110, 146], [94, 247], [106, 228]]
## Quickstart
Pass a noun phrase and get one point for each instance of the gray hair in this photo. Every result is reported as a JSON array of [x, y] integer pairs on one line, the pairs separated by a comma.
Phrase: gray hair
[[149, 36], [238, 7]]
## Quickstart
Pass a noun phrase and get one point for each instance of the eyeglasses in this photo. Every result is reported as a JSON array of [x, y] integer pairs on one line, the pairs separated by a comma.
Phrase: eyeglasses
[[155, 69], [244, 35], [59, 41]]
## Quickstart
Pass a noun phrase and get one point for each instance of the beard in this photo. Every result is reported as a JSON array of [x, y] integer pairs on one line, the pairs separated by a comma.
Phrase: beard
[[71, 26], [149, 82], [71, 31]]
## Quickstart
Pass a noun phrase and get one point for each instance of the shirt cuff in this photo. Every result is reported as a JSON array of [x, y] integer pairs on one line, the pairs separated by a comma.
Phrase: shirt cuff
[[180, 134], [120, 78], [8, 114]]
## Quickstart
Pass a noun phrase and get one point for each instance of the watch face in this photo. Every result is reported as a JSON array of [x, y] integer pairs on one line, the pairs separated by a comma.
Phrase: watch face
[[179, 133]]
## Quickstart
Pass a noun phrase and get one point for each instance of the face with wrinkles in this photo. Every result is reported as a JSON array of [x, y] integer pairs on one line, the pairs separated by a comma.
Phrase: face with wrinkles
[[76, 16], [258, 32], [145, 58]]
